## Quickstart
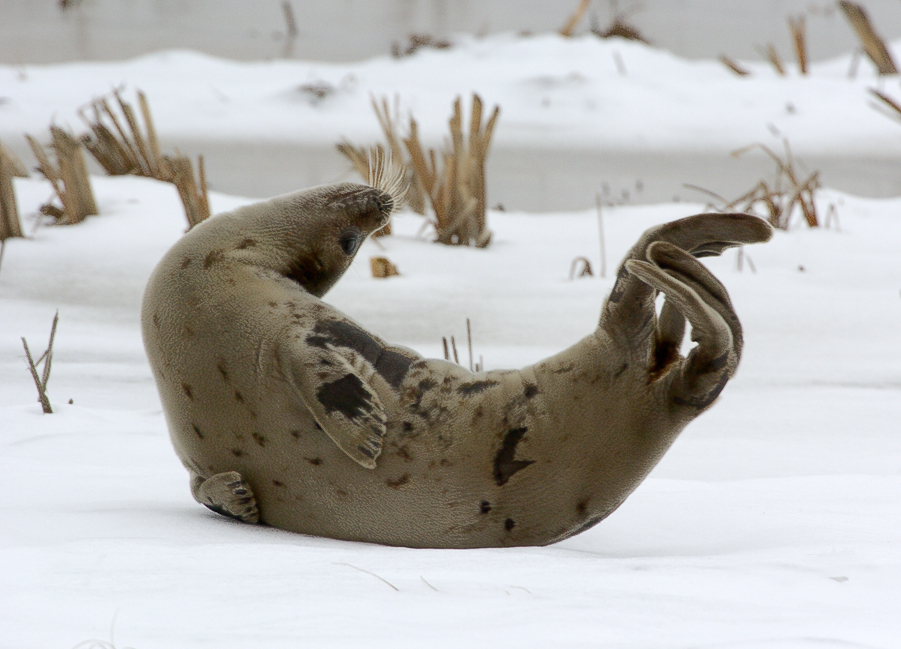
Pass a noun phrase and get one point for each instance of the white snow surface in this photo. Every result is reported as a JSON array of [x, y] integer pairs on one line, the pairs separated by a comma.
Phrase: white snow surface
[[773, 522], [554, 92]]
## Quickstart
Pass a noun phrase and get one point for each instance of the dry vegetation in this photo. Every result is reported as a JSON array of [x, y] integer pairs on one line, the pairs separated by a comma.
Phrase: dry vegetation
[[451, 181], [122, 147], [450, 351], [40, 380], [382, 267], [417, 42], [10, 166], [69, 177], [776, 201], [619, 25], [873, 44]]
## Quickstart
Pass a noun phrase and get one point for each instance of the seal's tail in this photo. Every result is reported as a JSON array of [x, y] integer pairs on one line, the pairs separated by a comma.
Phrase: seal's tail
[[388, 175]]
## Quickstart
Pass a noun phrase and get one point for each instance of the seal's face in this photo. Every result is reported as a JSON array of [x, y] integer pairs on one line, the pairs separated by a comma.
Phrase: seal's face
[[337, 220]]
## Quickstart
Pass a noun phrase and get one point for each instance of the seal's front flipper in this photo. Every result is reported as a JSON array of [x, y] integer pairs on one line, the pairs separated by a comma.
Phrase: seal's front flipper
[[227, 494], [334, 385]]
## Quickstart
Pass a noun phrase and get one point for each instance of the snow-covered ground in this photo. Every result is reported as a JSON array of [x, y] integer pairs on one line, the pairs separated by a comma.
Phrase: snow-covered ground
[[621, 112], [773, 522]]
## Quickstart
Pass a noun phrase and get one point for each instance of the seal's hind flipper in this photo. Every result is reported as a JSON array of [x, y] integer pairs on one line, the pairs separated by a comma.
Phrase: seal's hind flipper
[[334, 385], [227, 494]]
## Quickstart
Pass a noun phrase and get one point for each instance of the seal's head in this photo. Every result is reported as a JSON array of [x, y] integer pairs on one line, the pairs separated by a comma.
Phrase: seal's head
[[313, 235], [334, 221]]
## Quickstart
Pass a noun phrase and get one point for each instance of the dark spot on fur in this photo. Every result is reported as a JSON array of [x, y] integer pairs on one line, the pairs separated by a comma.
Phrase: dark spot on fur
[[564, 369], [246, 243], [397, 484], [316, 424], [404, 454], [509, 524], [197, 431], [424, 386], [310, 272], [156, 320], [390, 364], [315, 461], [705, 400], [239, 397], [342, 493], [484, 507], [716, 364], [407, 426], [620, 371], [185, 262], [274, 305], [278, 483], [188, 330], [259, 439], [223, 370], [582, 507], [530, 390], [296, 434], [475, 387], [393, 366], [188, 391], [504, 464], [346, 395], [619, 288], [587, 525], [212, 258], [445, 462], [237, 452]]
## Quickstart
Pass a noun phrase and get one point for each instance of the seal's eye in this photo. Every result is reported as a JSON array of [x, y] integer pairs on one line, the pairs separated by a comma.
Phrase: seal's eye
[[350, 241]]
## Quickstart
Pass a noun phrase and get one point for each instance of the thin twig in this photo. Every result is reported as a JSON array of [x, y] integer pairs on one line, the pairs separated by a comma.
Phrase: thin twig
[[603, 270], [428, 584], [469, 343], [454, 347], [42, 396], [369, 573], [49, 353]]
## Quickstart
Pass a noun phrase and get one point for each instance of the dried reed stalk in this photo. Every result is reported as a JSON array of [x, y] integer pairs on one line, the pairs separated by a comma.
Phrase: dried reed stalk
[[19, 170], [576, 17], [872, 43], [732, 65], [773, 57], [778, 201], [799, 39], [10, 225], [359, 157], [69, 177], [580, 267], [891, 103], [382, 267], [456, 189], [47, 357], [193, 193], [122, 147]]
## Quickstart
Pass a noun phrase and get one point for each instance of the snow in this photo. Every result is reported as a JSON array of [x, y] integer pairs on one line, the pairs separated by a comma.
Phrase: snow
[[553, 92], [772, 522]]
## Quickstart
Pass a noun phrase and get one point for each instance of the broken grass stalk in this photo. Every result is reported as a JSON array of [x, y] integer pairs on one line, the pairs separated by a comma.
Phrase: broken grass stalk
[[47, 358]]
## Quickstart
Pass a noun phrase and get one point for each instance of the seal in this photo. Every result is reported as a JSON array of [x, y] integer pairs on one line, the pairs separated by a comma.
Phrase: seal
[[287, 412]]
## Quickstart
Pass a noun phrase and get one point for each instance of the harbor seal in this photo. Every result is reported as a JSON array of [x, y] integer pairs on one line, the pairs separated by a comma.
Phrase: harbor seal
[[287, 412]]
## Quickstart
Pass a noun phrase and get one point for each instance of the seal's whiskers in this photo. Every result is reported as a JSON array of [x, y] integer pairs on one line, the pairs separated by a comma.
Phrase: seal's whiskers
[[387, 175]]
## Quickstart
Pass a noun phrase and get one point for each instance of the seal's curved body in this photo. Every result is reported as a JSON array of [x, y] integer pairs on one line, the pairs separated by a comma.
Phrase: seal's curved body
[[286, 411]]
